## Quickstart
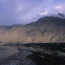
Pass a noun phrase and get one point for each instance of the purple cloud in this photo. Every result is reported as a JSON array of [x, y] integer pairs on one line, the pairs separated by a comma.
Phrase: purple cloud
[[26, 11]]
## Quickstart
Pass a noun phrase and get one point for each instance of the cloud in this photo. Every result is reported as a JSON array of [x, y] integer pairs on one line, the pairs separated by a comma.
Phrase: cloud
[[26, 11], [60, 8], [43, 13]]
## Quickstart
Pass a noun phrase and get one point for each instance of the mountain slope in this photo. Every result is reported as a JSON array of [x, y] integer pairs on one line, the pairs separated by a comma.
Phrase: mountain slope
[[47, 29]]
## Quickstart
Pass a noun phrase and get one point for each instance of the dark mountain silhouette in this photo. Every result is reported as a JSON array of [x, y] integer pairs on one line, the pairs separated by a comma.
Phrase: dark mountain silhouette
[[60, 14], [47, 29]]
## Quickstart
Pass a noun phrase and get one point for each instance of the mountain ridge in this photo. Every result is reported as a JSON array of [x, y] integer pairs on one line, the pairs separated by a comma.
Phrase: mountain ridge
[[45, 30]]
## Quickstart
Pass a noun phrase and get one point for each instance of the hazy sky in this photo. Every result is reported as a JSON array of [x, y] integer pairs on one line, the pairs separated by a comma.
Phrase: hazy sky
[[26, 11]]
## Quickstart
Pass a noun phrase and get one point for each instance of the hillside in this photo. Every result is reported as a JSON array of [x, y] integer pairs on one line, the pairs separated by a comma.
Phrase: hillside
[[47, 29]]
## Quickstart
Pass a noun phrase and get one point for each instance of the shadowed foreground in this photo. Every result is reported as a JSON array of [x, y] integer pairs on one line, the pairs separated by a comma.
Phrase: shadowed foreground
[[36, 54]]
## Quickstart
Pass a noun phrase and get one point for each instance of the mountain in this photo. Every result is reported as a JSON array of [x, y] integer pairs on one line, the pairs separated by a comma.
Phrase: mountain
[[62, 15], [46, 30]]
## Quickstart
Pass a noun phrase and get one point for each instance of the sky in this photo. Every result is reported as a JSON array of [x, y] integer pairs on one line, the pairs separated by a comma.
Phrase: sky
[[26, 11]]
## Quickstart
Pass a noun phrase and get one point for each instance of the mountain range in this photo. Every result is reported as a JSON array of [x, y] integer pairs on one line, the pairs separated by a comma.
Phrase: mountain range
[[45, 30]]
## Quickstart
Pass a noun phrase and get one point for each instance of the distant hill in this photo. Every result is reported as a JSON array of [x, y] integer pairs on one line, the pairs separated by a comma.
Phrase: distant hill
[[46, 30]]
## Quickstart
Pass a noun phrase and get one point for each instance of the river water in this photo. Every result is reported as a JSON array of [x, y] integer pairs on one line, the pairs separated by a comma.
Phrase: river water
[[9, 51], [6, 51]]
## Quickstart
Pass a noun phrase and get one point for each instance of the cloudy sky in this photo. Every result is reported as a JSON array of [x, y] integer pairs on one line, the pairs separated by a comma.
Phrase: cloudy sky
[[26, 11]]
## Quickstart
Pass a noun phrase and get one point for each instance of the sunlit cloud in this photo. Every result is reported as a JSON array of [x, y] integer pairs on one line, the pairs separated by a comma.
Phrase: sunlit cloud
[[43, 13]]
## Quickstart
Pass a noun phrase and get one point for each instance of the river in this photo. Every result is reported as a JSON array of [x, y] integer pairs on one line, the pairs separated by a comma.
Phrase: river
[[17, 56], [6, 51]]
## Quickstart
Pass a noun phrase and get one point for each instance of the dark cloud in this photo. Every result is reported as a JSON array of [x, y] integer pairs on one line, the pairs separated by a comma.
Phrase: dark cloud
[[25, 11]]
